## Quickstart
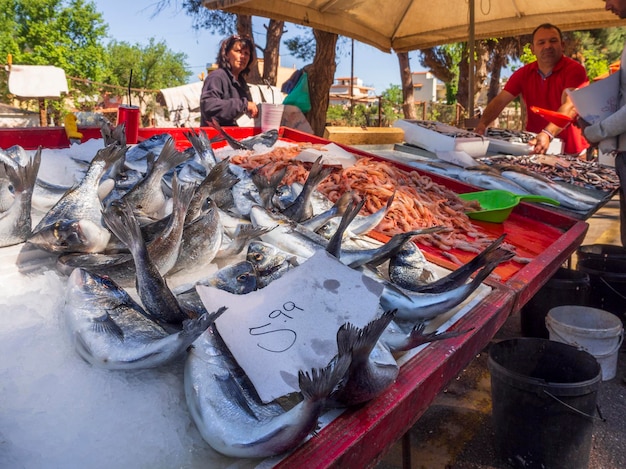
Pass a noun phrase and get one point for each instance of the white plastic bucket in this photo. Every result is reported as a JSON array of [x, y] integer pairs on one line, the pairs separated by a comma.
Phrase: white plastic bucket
[[593, 330]]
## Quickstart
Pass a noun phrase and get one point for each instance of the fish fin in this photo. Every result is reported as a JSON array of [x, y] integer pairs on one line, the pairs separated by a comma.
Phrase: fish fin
[[229, 387], [105, 325], [235, 144], [334, 245]]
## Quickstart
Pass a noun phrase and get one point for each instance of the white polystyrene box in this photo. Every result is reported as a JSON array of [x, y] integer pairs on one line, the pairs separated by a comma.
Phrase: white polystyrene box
[[435, 140]]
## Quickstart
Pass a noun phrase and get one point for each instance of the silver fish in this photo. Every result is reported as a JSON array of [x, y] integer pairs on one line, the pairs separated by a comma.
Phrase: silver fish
[[147, 197], [301, 208], [417, 307], [238, 279], [15, 220], [137, 156], [229, 414], [204, 151], [7, 189], [267, 138], [408, 267], [163, 239], [337, 210], [110, 330], [542, 186], [155, 295], [372, 368], [270, 263], [245, 193], [217, 185], [201, 240], [490, 180], [242, 237], [80, 209]]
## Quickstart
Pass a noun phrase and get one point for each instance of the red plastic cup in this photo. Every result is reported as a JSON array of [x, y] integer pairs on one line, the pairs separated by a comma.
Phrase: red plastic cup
[[129, 115]]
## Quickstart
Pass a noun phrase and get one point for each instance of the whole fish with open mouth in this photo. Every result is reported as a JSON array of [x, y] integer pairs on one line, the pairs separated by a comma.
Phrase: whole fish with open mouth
[[110, 330], [415, 307], [147, 197], [270, 263], [229, 414], [155, 295], [15, 218], [217, 185], [74, 223]]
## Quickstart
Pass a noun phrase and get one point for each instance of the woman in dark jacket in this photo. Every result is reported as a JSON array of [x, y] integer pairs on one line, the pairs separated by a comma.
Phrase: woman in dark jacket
[[225, 94]]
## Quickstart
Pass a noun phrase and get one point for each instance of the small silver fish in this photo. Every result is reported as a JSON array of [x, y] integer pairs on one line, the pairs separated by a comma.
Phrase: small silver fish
[[147, 197], [301, 208], [110, 330], [79, 208]]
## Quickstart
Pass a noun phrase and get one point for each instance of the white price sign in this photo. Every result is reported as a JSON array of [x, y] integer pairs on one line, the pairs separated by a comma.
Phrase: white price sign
[[292, 324]]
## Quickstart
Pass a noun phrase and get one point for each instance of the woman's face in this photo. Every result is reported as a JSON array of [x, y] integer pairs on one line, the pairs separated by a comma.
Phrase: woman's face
[[238, 57]]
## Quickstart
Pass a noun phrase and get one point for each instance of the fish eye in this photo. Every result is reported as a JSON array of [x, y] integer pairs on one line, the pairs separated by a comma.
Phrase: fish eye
[[242, 278]]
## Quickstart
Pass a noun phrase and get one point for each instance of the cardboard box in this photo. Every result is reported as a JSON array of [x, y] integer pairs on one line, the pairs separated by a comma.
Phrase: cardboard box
[[442, 137]]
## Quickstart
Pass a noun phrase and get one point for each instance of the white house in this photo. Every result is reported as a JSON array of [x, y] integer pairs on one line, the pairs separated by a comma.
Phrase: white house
[[340, 92], [426, 88]]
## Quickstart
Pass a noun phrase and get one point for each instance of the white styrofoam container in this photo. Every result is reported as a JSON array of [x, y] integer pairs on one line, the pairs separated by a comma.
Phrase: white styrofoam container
[[434, 140], [606, 159], [497, 145]]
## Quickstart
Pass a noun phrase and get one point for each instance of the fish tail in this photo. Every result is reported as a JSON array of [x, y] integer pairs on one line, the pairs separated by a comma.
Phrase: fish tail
[[120, 219], [170, 157], [201, 143], [495, 259], [231, 141], [369, 335], [334, 245], [181, 196], [109, 155]]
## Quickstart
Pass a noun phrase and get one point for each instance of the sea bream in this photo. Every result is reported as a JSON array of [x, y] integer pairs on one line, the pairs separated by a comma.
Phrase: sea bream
[[15, 213], [231, 417], [110, 330], [74, 223]]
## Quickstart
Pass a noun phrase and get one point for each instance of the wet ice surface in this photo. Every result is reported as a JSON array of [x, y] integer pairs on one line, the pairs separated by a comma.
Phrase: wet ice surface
[[58, 411]]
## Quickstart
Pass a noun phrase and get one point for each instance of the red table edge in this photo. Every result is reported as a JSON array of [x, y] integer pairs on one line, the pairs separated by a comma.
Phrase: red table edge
[[360, 436]]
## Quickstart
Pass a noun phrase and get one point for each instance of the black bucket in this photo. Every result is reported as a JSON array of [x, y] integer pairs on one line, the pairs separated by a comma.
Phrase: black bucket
[[544, 397], [565, 287], [607, 276], [600, 251]]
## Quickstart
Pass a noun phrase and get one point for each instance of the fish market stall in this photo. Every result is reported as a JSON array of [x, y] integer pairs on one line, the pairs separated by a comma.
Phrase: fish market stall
[[355, 437], [503, 159]]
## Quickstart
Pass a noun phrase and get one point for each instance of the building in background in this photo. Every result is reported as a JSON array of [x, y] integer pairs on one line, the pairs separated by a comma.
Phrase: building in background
[[427, 89], [361, 94]]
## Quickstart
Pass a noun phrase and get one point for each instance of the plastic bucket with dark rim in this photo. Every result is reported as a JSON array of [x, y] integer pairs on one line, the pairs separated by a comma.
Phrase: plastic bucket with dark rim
[[607, 277], [544, 397], [600, 251], [565, 287]]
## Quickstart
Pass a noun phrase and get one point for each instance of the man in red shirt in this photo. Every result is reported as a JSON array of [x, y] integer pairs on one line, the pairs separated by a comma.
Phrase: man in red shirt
[[543, 83]]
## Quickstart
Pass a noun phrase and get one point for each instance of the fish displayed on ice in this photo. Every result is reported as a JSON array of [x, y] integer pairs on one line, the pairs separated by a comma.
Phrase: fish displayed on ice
[[110, 330], [231, 417], [17, 183], [74, 223]]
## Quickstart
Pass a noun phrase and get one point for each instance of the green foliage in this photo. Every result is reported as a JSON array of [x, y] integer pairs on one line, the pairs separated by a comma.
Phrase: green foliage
[[527, 55]]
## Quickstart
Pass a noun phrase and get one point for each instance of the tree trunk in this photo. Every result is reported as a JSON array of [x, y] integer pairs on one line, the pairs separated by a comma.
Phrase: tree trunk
[[408, 95], [321, 75], [244, 28], [271, 56]]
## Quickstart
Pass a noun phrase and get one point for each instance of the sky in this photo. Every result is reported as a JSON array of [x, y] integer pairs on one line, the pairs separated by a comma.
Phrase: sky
[[134, 21]]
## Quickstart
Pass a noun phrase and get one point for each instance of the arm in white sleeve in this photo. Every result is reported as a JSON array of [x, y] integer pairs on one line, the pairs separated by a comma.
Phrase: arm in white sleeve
[[612, 126]]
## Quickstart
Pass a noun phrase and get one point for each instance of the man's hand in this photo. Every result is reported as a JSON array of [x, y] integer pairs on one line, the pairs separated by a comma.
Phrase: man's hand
[[542, 142]]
